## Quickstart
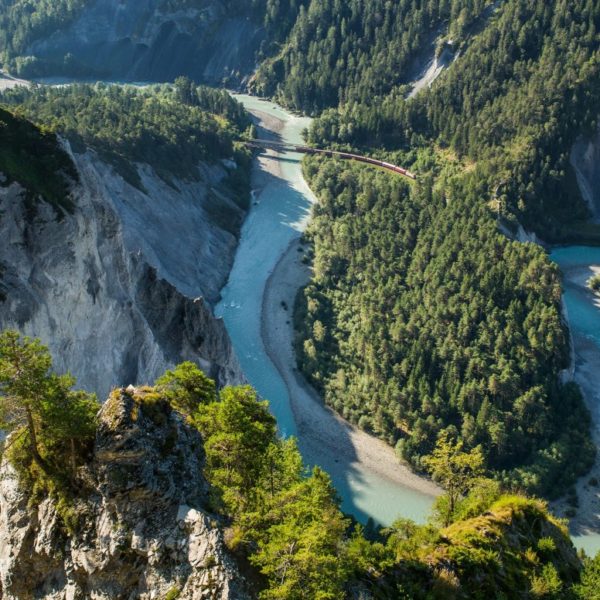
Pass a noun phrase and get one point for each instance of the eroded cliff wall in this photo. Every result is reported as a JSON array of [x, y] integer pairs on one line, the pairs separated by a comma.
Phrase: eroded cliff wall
[[122, 288], [585, 158]]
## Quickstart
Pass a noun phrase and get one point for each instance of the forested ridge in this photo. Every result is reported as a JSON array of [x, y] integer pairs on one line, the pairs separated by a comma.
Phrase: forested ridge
[[352, 51], [513, 104], [171, 128], [422, 318], [34, 158]]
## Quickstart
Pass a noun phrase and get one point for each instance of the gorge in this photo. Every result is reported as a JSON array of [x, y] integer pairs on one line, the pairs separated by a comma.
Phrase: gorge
[[394, 325]]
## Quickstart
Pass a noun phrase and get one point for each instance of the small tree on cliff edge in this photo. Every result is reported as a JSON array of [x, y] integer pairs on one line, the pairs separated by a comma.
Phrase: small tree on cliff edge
[[40, 406], [456, 470]]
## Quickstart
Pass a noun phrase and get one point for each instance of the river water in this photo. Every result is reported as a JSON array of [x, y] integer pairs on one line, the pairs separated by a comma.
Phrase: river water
[[584, 320], [279, 214], [584, 317]]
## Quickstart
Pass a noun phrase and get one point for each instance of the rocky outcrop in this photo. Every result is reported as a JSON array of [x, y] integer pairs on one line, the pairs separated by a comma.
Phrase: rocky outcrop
[[434, 69], [115, 289], [153, 40], [514, 549], [142, 527]]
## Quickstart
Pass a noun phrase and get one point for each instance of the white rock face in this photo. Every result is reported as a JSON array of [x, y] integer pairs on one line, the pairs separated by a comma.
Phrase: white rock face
[[528, 236], [434, 69], [114, 289], [143, 528], [173, 226]]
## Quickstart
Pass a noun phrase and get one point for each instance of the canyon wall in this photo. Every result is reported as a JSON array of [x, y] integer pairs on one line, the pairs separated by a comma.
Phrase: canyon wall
[[122, 288]]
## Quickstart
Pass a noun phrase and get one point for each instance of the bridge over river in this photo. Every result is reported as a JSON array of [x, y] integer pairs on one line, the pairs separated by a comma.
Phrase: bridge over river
[[286, 147]]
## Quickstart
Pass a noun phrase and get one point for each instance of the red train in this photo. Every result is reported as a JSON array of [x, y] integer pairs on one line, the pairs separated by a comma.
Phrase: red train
[[331, 153], [358, 158]]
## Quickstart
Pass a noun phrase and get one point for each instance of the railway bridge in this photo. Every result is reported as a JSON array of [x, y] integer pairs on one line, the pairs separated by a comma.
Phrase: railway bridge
[[285, 147]]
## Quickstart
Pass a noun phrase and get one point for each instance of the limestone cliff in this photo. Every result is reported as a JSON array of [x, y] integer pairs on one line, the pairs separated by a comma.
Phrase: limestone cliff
[[143, 530], [153, 40], [114, 289]]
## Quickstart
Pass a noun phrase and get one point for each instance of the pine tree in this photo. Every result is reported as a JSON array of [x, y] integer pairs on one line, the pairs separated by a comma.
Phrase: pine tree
[[455, 469], [40, 406]]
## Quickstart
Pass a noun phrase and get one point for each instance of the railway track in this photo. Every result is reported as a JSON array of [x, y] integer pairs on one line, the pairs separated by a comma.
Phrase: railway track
[[283, 147]]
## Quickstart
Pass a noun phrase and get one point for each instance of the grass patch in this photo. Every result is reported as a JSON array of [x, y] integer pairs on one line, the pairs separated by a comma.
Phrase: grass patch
[[173, 593]]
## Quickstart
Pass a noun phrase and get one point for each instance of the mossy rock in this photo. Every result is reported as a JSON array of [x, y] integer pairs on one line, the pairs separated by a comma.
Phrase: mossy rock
[[515, 545]]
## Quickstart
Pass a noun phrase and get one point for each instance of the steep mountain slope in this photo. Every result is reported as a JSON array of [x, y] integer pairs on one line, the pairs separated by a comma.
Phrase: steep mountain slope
[[511, 107], [105, 279], [354, 50], [85, 286], [585, 159], [149, 40]]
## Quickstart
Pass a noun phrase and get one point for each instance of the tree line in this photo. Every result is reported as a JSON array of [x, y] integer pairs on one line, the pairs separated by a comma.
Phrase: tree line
[[170, 128], [353, 50], [33, 157]]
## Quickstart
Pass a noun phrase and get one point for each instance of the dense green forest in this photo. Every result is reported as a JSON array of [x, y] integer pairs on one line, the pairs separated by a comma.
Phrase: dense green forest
[[522, 91], [351, 51], [421, 318], [525, 86], [171, 128], [285, 521]]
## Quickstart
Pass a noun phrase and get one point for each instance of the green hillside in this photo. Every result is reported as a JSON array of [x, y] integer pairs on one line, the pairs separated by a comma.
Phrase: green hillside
[[33, 157], [357, 50], [171, 128]]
